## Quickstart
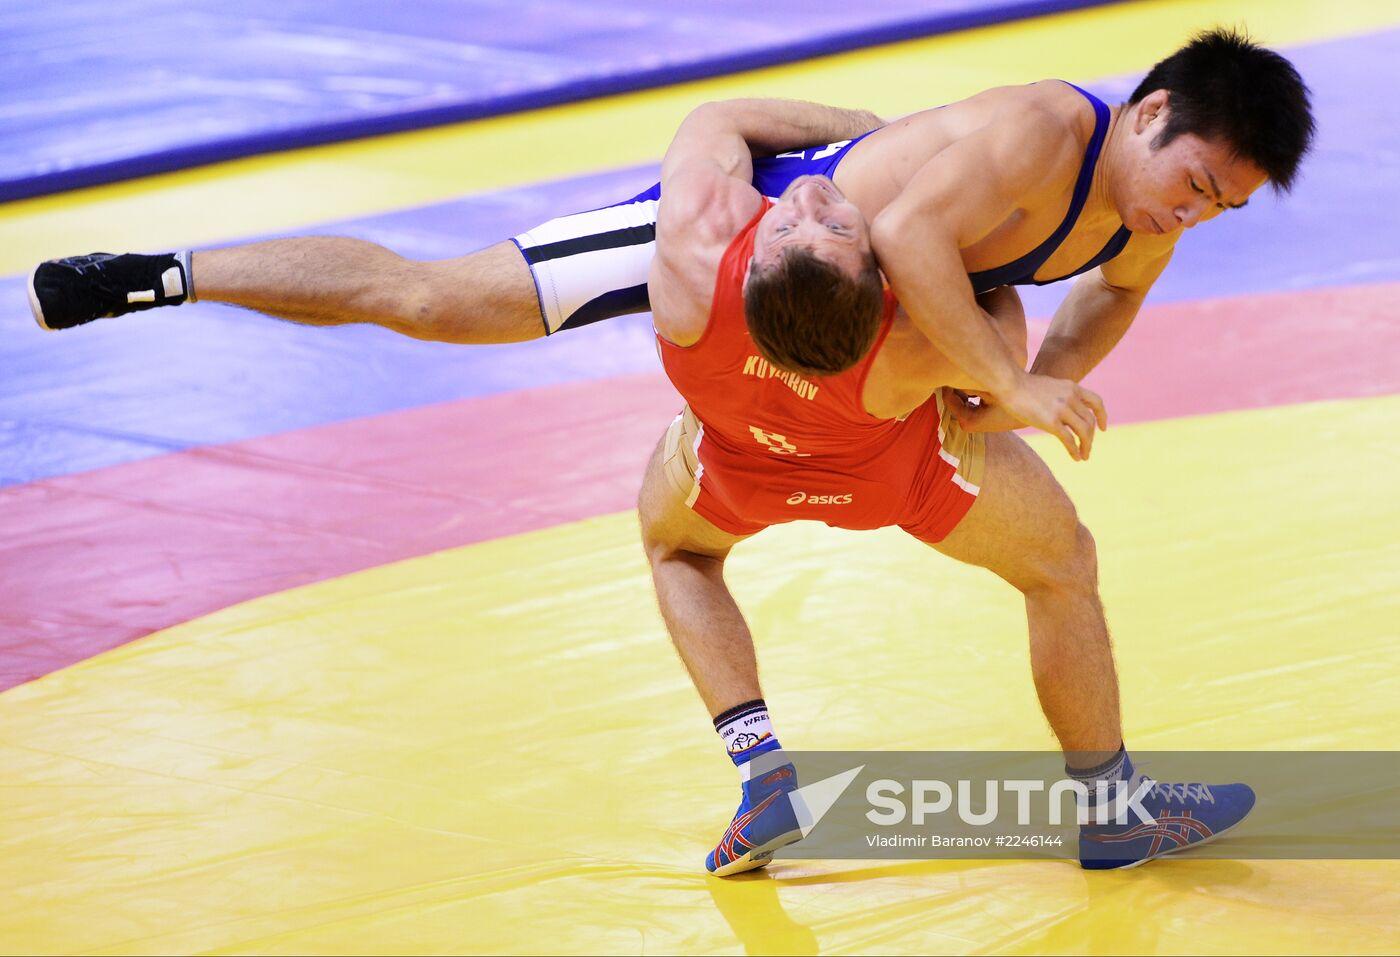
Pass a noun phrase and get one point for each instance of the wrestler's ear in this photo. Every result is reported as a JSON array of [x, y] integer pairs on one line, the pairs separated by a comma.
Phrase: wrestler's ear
[[1151, 109]]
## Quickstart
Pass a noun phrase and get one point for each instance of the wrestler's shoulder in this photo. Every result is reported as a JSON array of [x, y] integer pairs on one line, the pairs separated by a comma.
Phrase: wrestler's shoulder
[[1035, 125], [1049, 116], [707, 206], [1028, 142]]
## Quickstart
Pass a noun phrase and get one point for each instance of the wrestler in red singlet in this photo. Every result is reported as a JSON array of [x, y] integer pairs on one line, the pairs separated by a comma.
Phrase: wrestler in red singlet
[[774, 446]]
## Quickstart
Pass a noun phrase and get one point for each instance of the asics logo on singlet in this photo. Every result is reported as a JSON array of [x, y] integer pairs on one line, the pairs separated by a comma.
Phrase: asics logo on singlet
[[802, 498]]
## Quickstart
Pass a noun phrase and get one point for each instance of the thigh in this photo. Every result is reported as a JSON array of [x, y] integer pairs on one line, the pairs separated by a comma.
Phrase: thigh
[[593, 265], [487, 297], [669, 489], [1023, 525]]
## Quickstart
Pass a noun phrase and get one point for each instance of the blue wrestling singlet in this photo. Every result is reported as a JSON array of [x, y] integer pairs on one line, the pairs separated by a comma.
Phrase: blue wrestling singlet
[[772, 174]]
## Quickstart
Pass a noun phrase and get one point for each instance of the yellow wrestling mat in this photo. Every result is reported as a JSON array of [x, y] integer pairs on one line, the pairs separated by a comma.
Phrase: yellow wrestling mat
[[494, 749]]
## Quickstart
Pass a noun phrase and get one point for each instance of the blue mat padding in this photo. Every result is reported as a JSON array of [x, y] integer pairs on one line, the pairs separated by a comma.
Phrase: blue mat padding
[[95, 92]]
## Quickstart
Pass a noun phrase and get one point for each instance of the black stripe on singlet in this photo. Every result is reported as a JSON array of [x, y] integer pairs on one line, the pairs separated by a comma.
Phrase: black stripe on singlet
[[612, 239]]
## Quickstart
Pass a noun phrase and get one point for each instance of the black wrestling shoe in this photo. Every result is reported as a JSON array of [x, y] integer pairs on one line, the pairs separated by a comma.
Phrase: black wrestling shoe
[[64, 293]]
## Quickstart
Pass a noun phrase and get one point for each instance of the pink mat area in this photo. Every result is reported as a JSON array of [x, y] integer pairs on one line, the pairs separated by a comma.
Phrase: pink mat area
[[1215, 355], [93, 560]]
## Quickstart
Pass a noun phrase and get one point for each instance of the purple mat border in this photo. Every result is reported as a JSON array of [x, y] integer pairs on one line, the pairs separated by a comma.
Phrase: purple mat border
[[237, 147]]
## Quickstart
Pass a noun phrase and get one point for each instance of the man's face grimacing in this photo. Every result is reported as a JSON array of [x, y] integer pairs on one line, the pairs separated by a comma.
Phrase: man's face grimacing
[[1185, 182], [813, 213]]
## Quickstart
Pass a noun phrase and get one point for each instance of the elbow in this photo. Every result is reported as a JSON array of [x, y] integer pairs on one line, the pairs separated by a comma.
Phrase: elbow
[[1099, 282], [717, 111], [703, 113], [884, 238], [903, 241]]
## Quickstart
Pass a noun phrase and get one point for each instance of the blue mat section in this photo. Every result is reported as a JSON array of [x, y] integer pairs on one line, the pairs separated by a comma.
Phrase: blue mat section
[[91, 92], [170, 379]]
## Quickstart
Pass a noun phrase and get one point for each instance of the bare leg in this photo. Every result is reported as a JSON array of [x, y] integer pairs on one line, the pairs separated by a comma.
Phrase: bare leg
[[1024, 528], [486, 297], [687, 557]]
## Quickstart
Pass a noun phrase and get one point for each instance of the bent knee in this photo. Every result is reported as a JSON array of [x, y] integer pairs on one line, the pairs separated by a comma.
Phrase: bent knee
[[668, 555], [1073, 566], [657, 546], [1079, 565], [485, 298]]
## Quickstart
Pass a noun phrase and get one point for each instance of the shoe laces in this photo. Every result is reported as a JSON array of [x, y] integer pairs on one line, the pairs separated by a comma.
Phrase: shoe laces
[[1185, 793], [81, 263]]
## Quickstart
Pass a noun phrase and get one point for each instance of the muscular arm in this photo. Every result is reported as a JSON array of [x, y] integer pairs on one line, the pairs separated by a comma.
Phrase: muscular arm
[[733, 132], [1095, 314], [706, 196], [771, 126], [956, 199], [1091, 320]]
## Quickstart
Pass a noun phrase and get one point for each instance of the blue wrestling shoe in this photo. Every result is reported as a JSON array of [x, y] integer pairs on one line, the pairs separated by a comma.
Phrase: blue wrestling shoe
[[1179, 816], [766, 819]]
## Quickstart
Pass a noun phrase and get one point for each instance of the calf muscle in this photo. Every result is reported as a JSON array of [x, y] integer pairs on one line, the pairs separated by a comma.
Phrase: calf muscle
[[486, 297]]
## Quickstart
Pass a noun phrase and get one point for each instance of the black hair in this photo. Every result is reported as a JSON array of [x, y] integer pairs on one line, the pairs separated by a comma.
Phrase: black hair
[[1223, 86]]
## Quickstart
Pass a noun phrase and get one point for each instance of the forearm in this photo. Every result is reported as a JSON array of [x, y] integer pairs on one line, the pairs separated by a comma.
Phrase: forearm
[[932, 286], [772, 126], [1089, 323], [963, 333], [730, 133]]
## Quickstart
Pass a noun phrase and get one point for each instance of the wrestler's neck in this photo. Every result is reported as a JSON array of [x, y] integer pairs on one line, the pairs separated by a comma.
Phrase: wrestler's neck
[[1100, 207]]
